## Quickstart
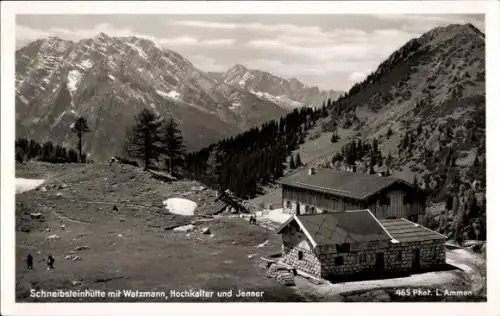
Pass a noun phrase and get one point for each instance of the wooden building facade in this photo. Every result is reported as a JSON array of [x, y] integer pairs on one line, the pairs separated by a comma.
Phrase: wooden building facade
[[334, 191]]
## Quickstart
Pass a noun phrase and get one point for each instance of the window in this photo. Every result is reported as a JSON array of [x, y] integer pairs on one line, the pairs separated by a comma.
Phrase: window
[[385, 200], [343, 248], [399, 255], [362, 258], [300, 255], [339, 261]]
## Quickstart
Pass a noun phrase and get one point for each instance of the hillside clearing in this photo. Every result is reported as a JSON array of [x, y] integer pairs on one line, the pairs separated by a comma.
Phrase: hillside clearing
[[134, 248]]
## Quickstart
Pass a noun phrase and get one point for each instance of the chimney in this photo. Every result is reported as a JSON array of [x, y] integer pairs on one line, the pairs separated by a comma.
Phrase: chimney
[[311, 172]]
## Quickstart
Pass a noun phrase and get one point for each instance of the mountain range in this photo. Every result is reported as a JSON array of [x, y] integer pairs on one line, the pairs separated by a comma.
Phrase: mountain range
[[108, 80]]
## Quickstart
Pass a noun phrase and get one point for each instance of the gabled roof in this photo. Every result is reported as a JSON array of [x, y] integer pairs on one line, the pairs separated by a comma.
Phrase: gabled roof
[[340, 183], [340, 227], [405, 231]]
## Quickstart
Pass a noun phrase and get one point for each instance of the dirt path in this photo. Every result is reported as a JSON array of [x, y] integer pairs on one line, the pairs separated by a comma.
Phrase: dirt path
[[472, 264], [330, 290], [63, 217]]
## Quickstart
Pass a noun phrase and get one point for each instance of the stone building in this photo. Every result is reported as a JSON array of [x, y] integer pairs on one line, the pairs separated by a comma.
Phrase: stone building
[[328, 190], [347, 243]]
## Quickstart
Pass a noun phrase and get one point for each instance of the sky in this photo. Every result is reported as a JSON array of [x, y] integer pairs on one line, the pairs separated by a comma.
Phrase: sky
[[328, 51]]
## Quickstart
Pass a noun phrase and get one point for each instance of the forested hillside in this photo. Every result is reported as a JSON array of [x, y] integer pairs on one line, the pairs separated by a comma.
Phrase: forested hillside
[[245, 163]]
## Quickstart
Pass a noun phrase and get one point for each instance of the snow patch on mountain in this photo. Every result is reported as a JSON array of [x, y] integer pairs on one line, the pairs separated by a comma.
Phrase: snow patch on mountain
[[171, 95], [58, 119], [281, 100], [139, 50], [235, 105], [155, 109], [87, 64], [74, 77], [156, 43], [244, 79]]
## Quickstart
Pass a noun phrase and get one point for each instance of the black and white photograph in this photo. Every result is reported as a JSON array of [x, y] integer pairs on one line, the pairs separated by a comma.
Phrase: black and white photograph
[[247, 155]]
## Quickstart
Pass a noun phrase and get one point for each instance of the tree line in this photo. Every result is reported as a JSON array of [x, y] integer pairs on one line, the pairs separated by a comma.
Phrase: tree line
[[30, 149], [256, 157]]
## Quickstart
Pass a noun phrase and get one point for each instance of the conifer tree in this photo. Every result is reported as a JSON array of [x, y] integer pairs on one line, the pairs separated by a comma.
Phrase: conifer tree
[[298, 161], [80, 127], [48, 151], [72, 155], [389, 133], [144, 140], [172, 146]]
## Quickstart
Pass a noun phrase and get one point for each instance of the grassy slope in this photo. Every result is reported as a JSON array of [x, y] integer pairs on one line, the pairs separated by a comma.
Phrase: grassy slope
[[313, 151], [132, 249]]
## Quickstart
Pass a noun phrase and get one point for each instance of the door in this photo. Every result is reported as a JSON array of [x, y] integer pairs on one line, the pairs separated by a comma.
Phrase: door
[[416, 259], [379, 262]]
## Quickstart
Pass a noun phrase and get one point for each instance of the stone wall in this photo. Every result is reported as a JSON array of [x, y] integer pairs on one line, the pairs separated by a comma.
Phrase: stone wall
[[295, 241], [398, 257], [361, 258]]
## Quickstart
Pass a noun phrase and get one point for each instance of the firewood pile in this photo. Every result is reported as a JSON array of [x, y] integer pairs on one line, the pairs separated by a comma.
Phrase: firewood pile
[[283, 275]]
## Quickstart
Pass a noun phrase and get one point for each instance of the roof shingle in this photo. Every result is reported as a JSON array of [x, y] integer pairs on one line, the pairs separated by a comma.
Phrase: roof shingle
[[342, 227], [405, 231], [346, 184]]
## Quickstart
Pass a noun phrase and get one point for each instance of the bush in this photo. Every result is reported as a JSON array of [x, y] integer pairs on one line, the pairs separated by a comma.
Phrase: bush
[[430, 222]]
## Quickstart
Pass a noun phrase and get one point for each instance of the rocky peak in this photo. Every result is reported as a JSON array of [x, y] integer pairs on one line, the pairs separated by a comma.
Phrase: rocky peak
[[102, 36], [238, 68]]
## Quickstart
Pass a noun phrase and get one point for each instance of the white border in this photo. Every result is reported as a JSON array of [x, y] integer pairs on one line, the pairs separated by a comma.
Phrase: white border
[[8, 11]]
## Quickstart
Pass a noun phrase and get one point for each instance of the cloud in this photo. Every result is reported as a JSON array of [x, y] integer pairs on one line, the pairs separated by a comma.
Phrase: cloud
[[424, 22], [356, 46], [281, 28], [187, 40], [25, 34], [357, 76], [207, 63]]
